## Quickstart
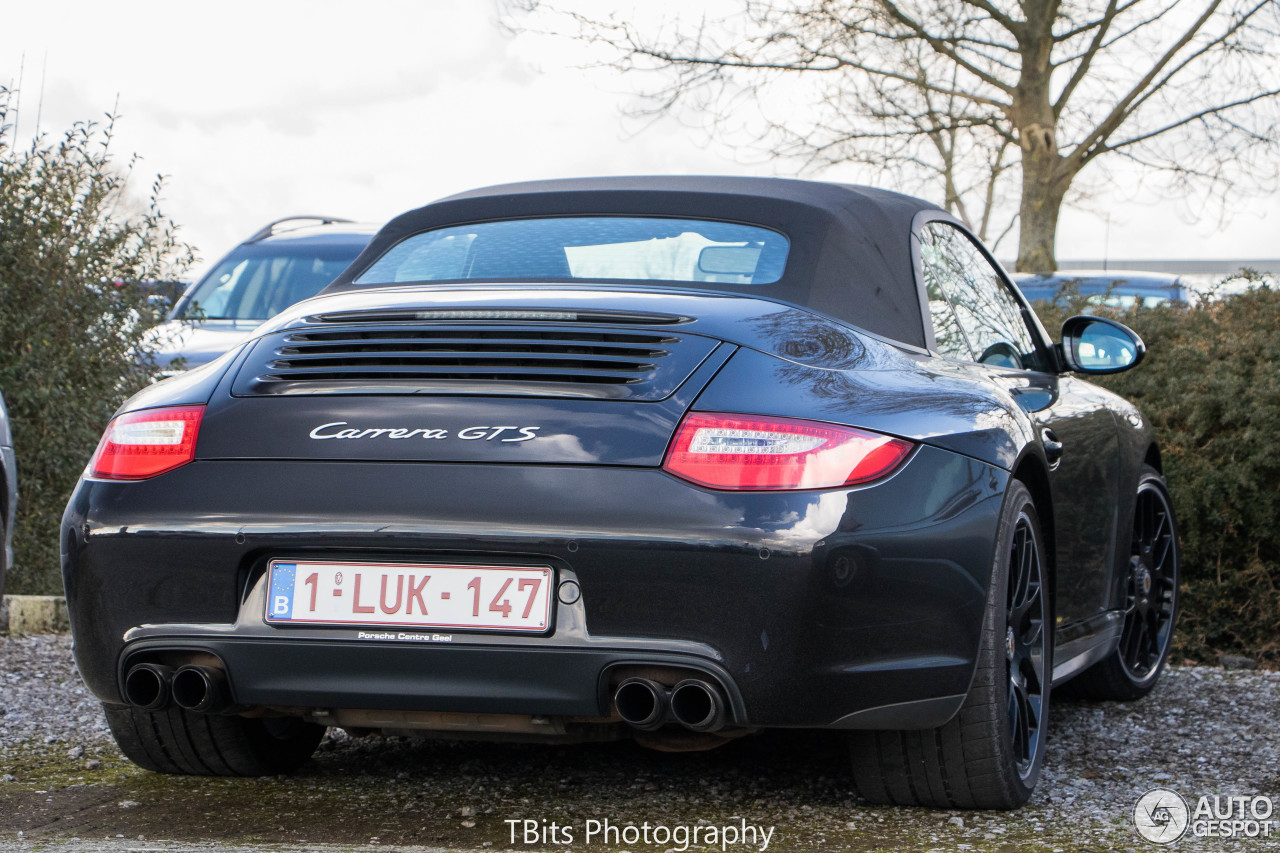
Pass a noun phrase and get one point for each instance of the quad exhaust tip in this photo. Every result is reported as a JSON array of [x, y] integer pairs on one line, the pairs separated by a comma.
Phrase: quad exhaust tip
[[202, 689], [697, 705], [641, 703], [148, 685], [693, 703]]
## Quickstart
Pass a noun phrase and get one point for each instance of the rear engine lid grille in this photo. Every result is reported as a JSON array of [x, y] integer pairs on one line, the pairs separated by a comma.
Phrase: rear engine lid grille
[[490, 359]]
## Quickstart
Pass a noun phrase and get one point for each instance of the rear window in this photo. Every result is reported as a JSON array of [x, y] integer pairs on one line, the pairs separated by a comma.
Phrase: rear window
[[587, 247]]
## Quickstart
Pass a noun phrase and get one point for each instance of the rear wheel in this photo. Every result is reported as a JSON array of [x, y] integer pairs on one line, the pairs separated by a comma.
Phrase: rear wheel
[[1150, 605], [989, 755], [181, 742]]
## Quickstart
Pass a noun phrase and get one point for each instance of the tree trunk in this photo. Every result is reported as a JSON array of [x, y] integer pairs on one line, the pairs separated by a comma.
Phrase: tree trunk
[[1044, 174], [1043, 189]]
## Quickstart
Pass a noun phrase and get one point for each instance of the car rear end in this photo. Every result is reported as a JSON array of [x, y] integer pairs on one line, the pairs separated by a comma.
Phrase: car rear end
[[493, 518], [560, 464]]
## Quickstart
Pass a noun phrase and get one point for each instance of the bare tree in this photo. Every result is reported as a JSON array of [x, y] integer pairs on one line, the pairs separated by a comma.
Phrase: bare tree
[[969, 94]]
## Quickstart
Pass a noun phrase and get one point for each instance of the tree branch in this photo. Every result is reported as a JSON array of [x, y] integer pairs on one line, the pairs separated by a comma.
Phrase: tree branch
[[836, 64], [1186, 61], [990, 9], [941, 46], [1086, 60], [1084, 28], [1184, 121], [1123, 108]]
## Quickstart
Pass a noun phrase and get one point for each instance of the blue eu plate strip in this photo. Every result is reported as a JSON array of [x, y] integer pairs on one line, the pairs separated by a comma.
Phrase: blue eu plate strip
[[280, 605]]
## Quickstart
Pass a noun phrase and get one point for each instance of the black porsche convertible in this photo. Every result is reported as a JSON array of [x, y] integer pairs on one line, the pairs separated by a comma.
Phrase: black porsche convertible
[[669, 458]]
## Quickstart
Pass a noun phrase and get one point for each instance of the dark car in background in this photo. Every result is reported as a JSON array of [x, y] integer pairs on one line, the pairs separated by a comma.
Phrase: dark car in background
[[1114, 288], [284, 262], [673, 458]]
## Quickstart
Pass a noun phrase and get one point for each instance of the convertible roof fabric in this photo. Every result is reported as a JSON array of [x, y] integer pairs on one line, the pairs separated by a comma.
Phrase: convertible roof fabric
[[850, 253]]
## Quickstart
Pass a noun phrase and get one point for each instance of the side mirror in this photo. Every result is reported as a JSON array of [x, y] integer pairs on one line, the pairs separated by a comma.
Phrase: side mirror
[[1098, 345]]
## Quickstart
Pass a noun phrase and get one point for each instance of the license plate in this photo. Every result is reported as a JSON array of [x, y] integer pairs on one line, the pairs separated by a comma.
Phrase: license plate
[[505, 598]]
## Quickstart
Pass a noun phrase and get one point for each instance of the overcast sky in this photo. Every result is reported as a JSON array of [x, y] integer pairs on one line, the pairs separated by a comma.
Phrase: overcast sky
[[257, 110]]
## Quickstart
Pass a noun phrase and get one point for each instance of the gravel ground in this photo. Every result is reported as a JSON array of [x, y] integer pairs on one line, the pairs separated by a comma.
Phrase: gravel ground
[[42, 697], [1203, 731]]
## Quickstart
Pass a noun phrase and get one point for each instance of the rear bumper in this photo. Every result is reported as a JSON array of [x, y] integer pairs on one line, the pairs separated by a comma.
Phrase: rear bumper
[[569, 682], [847, 608]]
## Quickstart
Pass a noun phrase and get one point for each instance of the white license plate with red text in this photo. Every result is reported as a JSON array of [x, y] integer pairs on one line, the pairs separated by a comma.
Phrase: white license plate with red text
[[506, 598]]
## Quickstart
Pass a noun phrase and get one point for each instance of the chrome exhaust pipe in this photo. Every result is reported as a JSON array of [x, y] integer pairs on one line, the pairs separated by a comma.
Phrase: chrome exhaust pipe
[[202, 689], [147, 686], [641, 703], [697, 705]]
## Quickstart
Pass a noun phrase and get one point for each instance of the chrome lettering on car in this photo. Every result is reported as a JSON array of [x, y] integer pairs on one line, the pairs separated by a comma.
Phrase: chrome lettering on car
[[487, 433], [473, 433], [376, 432]]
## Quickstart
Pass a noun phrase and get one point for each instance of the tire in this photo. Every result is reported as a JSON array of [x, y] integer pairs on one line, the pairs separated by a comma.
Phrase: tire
[[184, 743], [989, 755], [1151, 602]]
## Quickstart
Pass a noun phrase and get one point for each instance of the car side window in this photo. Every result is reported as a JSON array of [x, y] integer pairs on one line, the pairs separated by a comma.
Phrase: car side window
[[985, 310], [950, 340]]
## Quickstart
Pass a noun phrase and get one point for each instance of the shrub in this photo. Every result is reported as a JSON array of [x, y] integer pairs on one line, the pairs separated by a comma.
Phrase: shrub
[[73, 317], [1211, 386]]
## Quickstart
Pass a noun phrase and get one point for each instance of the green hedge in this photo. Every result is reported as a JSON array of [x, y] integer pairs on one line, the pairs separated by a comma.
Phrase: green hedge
[[1211, 386], [74, 249]]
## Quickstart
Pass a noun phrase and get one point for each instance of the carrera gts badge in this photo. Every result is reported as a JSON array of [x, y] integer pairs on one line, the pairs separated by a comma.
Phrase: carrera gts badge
[[475, 433]]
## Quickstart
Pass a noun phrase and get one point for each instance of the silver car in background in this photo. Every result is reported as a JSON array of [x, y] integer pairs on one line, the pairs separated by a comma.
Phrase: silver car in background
[[284, 262], [8, 492]]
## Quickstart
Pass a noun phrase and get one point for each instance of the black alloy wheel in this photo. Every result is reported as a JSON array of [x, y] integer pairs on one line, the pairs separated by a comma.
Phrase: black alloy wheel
[[1025, 648], [1151, 594], [1149, 604]]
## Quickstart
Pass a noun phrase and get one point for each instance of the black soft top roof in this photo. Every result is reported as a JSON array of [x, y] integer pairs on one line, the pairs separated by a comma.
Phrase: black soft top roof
[[850, 251]]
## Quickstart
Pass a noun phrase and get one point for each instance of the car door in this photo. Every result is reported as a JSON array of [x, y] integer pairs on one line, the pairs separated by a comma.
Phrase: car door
[[978, 319]]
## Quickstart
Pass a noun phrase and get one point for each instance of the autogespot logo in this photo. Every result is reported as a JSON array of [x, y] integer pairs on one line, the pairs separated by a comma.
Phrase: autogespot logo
[[1161, 816]]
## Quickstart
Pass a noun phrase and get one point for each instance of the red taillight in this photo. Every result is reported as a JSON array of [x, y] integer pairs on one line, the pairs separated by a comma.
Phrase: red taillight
[[143, 444], [743, 452]]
